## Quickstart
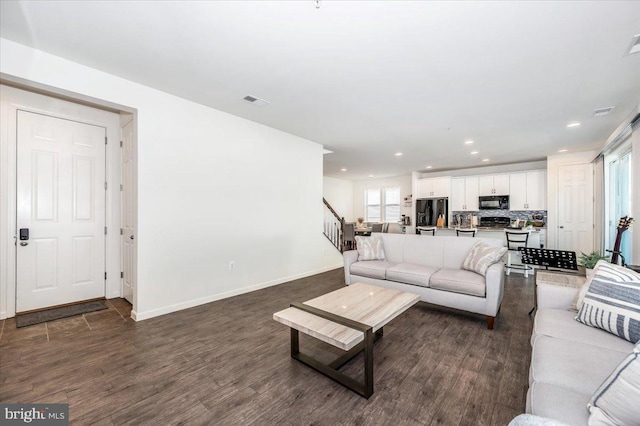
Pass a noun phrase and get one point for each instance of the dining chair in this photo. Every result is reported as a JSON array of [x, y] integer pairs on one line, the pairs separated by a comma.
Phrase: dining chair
[[376, 227], [431, 230], [394, 228], [349, 235], [516, 239], [471, 232]]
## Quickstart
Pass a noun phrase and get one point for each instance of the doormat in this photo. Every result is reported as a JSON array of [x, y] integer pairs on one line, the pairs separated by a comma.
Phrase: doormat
[[23, 320]]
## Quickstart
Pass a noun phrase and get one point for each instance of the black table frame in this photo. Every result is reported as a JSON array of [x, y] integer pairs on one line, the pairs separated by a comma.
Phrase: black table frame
[[330, 370]]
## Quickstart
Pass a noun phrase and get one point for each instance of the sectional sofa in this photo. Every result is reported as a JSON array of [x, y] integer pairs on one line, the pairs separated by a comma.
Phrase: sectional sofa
[[432, 267]]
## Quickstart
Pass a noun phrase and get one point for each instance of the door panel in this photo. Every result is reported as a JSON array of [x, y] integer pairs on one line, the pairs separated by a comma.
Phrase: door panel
[[61, 200], [485, 185], [537, 190], [575, 215], [517, 191], [471, 193], [501, 184], [457, 194]]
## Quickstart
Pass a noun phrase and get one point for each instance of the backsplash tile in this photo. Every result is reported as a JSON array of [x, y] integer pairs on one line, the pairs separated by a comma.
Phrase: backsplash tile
[[511, 214]]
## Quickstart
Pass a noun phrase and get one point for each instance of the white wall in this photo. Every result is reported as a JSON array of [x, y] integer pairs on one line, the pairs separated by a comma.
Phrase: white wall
[[212, 188], [360, 186], [339, 193]]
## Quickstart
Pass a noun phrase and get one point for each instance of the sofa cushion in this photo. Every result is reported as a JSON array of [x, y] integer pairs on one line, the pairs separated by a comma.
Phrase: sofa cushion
[[558, 403], [394, 246], [420, 251], [371, 268], [577, 366], [459, 281], [410, 273], [370, 248], [481, 256], [561, 324], [616, 400]]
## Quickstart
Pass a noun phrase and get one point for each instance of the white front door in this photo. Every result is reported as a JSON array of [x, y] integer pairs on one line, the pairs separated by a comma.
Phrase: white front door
[[575, 208], [128, 209], [61, 202]]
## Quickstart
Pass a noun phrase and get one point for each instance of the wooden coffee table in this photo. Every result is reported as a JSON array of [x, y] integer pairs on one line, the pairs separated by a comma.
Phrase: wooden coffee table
[[351, 319]]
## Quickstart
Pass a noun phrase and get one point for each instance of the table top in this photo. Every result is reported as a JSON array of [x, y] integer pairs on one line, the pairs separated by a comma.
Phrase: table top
[[559, 278], [368, 304], [361, 230]]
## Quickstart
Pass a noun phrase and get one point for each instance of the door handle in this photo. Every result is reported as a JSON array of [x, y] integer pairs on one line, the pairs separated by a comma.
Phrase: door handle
[[131, 237], [561, 227], [24, 243]]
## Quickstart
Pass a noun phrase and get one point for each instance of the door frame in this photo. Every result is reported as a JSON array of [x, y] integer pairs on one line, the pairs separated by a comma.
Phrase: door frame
[[33, 97]]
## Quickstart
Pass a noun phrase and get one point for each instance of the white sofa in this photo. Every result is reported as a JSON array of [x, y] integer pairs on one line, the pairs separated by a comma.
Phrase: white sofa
[[432, 267], [569, 360]]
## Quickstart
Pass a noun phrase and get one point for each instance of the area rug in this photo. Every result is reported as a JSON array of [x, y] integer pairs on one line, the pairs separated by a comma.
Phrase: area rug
[[23, 320]]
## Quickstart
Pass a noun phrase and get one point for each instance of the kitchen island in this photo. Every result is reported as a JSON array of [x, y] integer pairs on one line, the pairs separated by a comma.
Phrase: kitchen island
[[536, 238]]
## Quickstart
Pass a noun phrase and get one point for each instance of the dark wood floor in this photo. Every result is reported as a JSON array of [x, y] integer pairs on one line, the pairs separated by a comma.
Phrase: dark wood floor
[[228, 363]]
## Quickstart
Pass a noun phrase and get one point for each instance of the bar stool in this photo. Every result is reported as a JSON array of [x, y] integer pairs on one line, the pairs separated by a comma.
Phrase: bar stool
[[515, 241], [427, 230], [471, 232]]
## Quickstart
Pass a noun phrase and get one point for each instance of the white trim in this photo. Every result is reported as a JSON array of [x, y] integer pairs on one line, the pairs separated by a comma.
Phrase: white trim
[[140, 316]]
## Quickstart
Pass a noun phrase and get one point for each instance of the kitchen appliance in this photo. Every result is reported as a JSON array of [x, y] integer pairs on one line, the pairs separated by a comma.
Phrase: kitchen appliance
[[494, 202], [429, 209], [495, 222]]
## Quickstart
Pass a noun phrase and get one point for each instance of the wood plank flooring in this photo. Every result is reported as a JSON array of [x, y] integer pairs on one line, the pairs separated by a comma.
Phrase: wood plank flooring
[[228, 363]]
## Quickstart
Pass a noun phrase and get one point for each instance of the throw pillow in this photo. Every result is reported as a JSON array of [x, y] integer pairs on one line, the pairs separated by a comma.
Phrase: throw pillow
[[577, 301], [481, 256], [616, 400], [612, 302], [369, 248]]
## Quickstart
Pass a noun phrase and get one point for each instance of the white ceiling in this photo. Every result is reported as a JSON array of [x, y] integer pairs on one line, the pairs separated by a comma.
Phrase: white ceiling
[[369, 79]]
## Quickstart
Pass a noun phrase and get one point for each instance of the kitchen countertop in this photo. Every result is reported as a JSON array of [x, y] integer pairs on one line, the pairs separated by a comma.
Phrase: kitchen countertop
[[490, 228]]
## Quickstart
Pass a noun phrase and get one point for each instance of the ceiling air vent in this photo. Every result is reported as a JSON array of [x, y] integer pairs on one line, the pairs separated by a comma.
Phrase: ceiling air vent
[[256, 101], [601, 112], [634, 47]]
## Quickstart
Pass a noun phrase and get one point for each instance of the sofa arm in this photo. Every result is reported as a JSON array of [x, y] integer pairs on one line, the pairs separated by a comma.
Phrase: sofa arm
[[494, 280], [551, 296], [349, 257]]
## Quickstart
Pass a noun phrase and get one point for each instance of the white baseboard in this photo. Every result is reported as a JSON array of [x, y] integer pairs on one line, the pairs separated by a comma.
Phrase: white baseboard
[[3, 315], [140, 316]]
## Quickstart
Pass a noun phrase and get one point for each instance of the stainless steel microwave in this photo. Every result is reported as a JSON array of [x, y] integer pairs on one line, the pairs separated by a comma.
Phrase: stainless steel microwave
[[494, 202]]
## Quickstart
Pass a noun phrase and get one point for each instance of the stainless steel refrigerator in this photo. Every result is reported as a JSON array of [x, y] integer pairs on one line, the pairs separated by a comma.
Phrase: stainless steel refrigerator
[[428, 210]]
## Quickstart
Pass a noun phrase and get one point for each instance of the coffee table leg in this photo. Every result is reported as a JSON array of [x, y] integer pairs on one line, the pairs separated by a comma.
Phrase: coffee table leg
[[368, 363], [295, 342]]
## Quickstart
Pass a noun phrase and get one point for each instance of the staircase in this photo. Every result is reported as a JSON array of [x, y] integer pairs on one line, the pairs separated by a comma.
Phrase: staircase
[[333, 226]]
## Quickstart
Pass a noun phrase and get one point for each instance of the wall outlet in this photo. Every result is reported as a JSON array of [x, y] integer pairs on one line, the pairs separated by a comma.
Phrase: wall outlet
[[232, 265]]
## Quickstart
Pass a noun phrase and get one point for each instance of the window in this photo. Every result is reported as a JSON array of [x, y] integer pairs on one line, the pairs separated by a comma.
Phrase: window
[[620, 187], [382, 204]]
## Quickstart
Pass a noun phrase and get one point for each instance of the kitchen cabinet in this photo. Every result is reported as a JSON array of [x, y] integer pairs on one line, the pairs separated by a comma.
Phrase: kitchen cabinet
[[434, 187], [464, 194], [528, 190], [493, 185]]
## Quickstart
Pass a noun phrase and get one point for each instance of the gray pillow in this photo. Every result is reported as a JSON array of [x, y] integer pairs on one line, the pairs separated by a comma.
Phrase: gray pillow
[[369, 248], [617, 400], [481, 256], [612, 302]]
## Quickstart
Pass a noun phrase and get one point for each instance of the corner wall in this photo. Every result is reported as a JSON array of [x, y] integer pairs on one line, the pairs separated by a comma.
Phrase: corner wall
[[339, 193], [212, 188]]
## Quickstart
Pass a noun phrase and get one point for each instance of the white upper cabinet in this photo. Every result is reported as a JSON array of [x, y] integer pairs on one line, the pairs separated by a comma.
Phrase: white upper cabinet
[[493, 185], [464, 194], [528, 190], [434, 187]]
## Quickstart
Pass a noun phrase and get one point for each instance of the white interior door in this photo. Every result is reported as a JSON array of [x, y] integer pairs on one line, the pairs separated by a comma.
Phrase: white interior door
[[61, 201], [575, 208], [128, 209]]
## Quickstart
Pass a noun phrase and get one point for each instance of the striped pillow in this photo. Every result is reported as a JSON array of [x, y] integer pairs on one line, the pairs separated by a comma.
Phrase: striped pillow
[[616, 400], [612, 302]]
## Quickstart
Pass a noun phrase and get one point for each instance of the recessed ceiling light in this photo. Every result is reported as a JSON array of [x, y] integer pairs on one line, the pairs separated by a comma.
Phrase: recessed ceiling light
[[563, 150], [473, 152], [485, 160], [468, 142], [398, 154], [370, 176], [429, 167], [327, 151], [343, 169], [573, 124], [256, 101]]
